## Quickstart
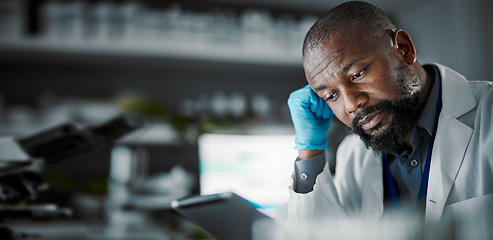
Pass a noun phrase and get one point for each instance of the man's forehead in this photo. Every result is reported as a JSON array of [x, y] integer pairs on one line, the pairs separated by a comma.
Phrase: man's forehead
[[339, 49], [320, 59]]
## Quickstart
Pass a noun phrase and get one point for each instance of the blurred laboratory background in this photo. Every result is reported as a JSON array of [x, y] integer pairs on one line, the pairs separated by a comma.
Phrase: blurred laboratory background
[[206, 80]]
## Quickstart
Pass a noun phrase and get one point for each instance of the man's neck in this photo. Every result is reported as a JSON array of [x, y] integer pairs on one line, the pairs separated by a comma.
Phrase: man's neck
[[426, 80]]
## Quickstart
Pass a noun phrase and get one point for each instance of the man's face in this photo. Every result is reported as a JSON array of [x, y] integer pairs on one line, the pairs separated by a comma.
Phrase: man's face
[[367, 86]]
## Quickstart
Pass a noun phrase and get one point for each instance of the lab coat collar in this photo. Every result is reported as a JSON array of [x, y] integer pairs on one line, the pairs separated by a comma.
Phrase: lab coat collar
[[458, 98]]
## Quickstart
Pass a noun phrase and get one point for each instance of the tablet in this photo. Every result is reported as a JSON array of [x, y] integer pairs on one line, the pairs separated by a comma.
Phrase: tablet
[[224, 216]]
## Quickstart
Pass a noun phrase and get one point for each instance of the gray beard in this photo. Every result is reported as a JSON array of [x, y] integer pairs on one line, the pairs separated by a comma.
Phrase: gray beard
[[403, 114], [392, 140]]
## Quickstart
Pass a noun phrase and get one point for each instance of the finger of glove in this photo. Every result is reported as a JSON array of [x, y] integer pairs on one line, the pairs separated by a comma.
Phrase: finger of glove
[[319, 107], [311, 125], [299, 99], [305, 104], [327, 112], [312, 135], [299, 106]]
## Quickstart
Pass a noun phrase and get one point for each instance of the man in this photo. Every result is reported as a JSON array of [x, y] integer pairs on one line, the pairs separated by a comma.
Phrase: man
[[423, 133]]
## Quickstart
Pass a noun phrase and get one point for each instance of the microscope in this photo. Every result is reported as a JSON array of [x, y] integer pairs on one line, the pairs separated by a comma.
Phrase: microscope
[[22, 161]]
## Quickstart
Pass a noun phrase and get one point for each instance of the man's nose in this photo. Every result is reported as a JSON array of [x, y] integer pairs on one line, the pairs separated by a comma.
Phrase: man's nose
[[353, 100]]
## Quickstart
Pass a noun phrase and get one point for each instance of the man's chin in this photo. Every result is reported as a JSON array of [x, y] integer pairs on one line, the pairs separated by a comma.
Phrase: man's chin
[[383, 140], [389, 135], [378, 130]]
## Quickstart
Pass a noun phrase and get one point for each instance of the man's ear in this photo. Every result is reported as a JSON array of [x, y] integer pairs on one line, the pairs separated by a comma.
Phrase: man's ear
[[404, 46]]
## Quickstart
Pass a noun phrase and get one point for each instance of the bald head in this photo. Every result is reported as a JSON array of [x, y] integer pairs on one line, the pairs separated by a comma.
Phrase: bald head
[[368, 17]]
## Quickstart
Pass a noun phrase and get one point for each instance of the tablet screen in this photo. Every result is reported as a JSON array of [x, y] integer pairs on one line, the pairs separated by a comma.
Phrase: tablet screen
[[225, 216]]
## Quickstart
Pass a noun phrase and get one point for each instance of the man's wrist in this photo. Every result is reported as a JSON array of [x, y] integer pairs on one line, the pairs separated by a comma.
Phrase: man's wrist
[[305, 154]]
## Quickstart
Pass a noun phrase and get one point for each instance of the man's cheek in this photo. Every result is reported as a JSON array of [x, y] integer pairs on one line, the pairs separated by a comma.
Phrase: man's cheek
[[344, 118]]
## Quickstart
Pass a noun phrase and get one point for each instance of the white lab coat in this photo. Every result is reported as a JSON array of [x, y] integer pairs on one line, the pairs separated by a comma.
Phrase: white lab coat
[[461, 171]]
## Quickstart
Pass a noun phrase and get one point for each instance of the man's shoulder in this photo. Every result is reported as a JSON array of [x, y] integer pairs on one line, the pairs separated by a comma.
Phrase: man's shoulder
[[480, 88], [483, 93], [461, 95]]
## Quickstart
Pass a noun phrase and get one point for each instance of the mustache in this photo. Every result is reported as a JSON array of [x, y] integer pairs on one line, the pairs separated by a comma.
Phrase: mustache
[[381, 106]]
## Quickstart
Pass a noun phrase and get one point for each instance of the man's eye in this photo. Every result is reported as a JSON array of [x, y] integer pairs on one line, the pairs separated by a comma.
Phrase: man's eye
[[331, 97], [358, 75]]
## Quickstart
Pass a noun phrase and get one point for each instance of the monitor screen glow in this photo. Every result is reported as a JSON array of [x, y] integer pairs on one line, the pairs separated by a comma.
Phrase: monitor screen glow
[[256, 167]]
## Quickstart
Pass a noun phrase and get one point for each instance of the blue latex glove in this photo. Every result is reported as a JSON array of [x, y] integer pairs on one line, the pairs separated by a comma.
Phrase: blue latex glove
[[311, 119]]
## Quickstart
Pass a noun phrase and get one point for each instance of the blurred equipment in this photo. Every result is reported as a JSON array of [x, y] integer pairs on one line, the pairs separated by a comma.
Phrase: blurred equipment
[[22, 160]]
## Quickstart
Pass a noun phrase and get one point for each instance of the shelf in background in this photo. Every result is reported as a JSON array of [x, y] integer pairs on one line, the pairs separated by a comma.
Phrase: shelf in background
[[184, 50]]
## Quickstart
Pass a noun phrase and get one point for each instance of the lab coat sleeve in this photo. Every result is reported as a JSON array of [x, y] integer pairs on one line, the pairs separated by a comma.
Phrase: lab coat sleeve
[[318, 204], [306, 171], [333, 195]]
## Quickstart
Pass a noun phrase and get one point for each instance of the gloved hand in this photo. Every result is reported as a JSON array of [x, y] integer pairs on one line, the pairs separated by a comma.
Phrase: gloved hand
[[311, 119]]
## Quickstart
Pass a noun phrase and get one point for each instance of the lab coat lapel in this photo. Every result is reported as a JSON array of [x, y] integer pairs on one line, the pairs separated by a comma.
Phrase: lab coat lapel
[[372, 207], [451, 141]]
